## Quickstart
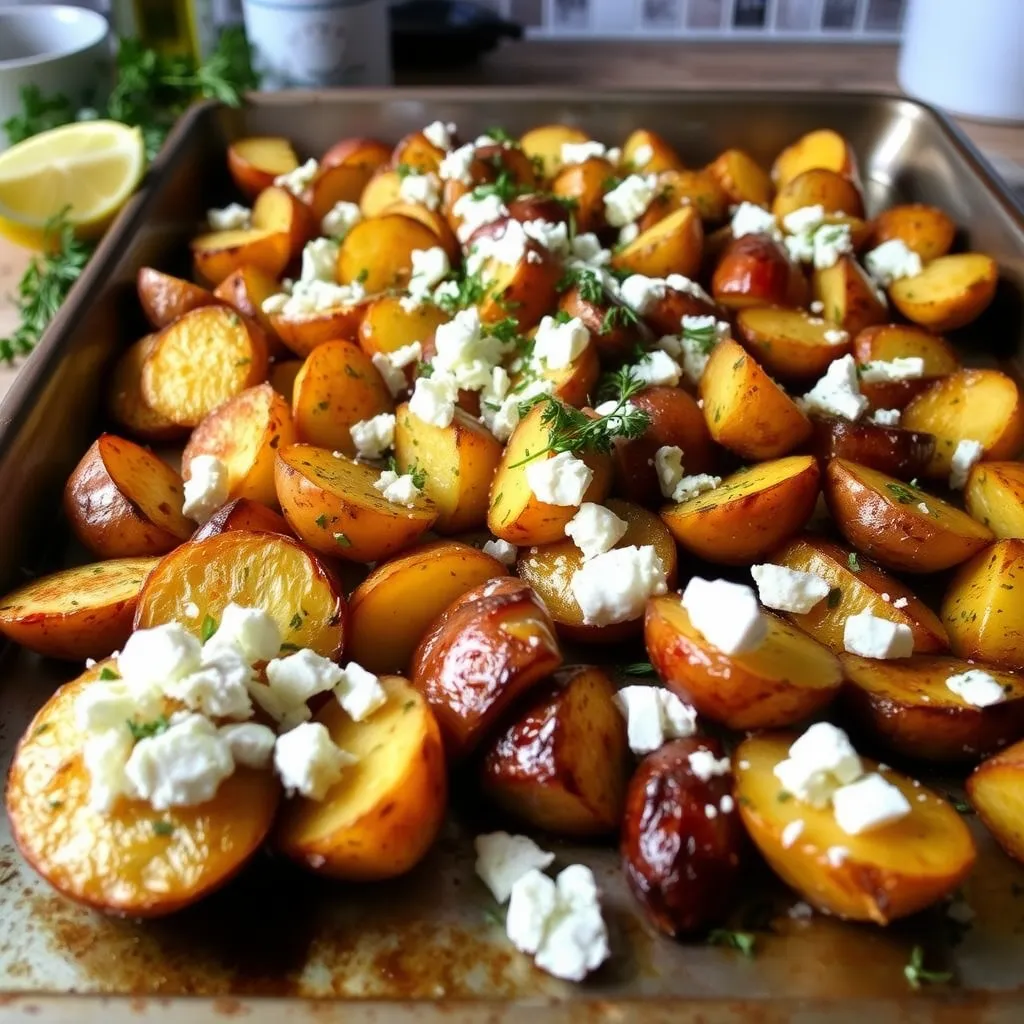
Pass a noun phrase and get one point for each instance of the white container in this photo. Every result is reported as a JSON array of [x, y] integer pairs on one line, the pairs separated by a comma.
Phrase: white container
[[966, 57], [318, 43]]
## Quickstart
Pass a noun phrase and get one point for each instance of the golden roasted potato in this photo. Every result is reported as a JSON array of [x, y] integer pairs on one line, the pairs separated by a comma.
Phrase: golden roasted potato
[[790, 342], [682, 861], [887, 342], [995, 791], [544, 145], [378, 252], [906, 704], [562, 763], [303, 332], [749, 513], [614, 334], [392, 609], [462, 458], [131, 861], [671, 246], [218, 254], [994, 495], [127, 404], [255, 162], [788, 678], [925, 229], [335, 183], [745, 410], [974, 405], [79, 613], [337, 387], [382, 191], [572, 384], [819, 186], [741, 178], [877, 876], [282, 377], [951, 291], [897, 524], [387, 325], [246, 290], [122, 501], [823, 148], [418, 152], [201, 360], [515, 513], [904, 454], [699, 189], [256, 570], [278, 209], [586, 184], [357, 152], [331, 504], [164, 297], [485, 651], [432, 220], [245, 433], [664, 315], [549, 569], [857, 586], [983, 609], [242, 514], [848, 296], [384, 813], [524, 291], [754, 270], [657, 154]]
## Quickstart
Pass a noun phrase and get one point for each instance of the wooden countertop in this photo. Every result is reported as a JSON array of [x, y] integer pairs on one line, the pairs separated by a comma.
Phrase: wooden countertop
[[818, 66]]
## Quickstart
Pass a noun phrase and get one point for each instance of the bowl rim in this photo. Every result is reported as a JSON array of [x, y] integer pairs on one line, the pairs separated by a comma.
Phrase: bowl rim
[[96, 29]]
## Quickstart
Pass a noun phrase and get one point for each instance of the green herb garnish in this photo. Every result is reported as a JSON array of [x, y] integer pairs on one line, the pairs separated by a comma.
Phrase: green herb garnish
[[853, 562], [208, 628], [341, 539], [917, 974], [163, 828], [742, 941], [107, 674], [586, 280], [144, 730], [296, 621], [639, 668]]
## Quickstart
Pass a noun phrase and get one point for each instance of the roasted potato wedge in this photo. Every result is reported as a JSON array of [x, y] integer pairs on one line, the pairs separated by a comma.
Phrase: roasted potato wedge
[[819, 186], [904, 454], [122, 501], [788, 678], [646, 152], [699, 189], [925, 229], [880, 875], [682, 839], [127, 404], [585, 183], [256, 570], [117, 861], [383, 815], [898, 525], [544, 144], [562, 763], [525, 291], [79, 613], [994, 495], [906, 705], [887, 342], [745, 410], [256, 161], [485, 651], [378, 252], [790, 343], [822, 148], [245, 291], [753, 270], [392, 609], [418, 152], [358, 152], [950, 292], [218, 254], [335, 183], [164, 297], [277, 209], [387, 325], [671, 246], [751, 512], [304, 332], [848, 296], [282, 377], [742, 178], [242, 514], [995, 792], [382, 191]]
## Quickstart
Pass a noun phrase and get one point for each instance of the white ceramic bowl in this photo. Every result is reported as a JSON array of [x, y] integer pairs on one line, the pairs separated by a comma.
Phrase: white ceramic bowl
[[58, 48]]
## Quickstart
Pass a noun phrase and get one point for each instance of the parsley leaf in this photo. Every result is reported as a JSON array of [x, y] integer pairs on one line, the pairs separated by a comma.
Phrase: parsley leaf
[[742, 941], [144, 730], [586, 280], [107, 674], [639, 668], [208, 628], [902, 493], [163, 828], [917, 974], [853, 561]]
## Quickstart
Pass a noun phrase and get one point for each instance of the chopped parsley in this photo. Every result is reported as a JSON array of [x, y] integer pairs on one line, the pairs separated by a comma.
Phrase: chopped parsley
[[853, 561], [639, 668], [341, 539], [145, 730], [296, 622], [321, 520], [835, 595], [586, 280], [903, 494], [163, 828], [107, 673], [208, 628], [742, 941], [917, 974]]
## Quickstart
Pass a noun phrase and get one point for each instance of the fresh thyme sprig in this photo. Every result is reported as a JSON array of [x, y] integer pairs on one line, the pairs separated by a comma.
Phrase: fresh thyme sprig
[[917, 974], [618, 316], [702, 338]]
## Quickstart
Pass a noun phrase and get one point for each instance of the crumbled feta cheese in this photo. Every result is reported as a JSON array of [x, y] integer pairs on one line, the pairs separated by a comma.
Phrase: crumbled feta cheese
[[668, 463], [104, 755], [806, 219], [558, 344], [705, 766], [977, 688], [595, 529], [587, 249], [629, 200], [532, 901], [615, 586], [464, 353], [693, 486], [834, 336], [422, 189], [869, 803], [373, 437], [190, 611], [882, 371], [791, 833], [656, 368], [871, 637], [233, 217], [615, 423], [320, 260], [180, 767], [502, 859], [819, 761], [272, 305], [551, 235], [629, 234], [642, 293], [251, 631], [788, 590], [837, 856], [310, 297], [157, 656], [507, 246], [251, 744], [500, 409], [292, 680], [502, 550], [579, 152], [398, 488], [680, 283], [359, 692], [922, 506], [109, 705], [654, 716], [390, 365], [726, 614], [206, 488], [965, 455], [642, 156], [900, 602], [830, 242], [439, 134], [751, 219], [892, 261], [458, 165], [838, 392], [340, 219], [308, 761], [700, 336], [886, 417], [560, 480], [433, 399], [298, 180], [219, 687], [476, 211], [429, 268]]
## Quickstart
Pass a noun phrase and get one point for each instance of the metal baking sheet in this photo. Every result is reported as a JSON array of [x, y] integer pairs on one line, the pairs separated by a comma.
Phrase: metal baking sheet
[[430, 946]]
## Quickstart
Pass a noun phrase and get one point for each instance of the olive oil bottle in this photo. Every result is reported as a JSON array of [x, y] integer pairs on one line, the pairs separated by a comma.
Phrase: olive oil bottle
[[174, 27]]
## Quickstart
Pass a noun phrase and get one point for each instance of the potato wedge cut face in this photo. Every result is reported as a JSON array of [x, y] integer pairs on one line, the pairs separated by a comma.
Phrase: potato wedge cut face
[[996, 793], [994, 495], [256, 570], [126, 402], [791, 342], [133, 860], [950, 292]]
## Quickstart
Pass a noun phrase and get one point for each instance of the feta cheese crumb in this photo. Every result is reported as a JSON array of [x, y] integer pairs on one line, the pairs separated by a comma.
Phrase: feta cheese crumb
[[219, 687], [642, 293], [439, 134], [615, 586], [819, 761], [900, 602], [359, 692], [693, 486], [373, 437], [298, 180], [320, 261], [886, 417], [560, 480], [977, 688], [552, 235], [532, 901], [233, 217], [579, 152], [807, 218], [629, 200], [838, 392], [966, 454], [476, 211], [501, 550], [705, 766], [400, 489], [751, 219], [340, 219], [726, 614], [788, 590], [502, 859], [308, 761], [869, 803], [109, 705], [457, 165], [429, 269], [830, 242], [654, 716], [158, 656], [587, 248], [892, 261], [656, 369], [922, 506], [668, 463], [880, 371], [250, 631], [292, 680], [390, 365], [421, 189], [433, 399], [595, 529], [206, 488], [872, 637], [557, 344], [104, 755], [791, 833], [251, 744], [628, 234]]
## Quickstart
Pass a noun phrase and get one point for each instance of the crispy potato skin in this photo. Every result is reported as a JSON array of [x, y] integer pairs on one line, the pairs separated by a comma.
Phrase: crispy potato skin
[[663, 156], [923, 228], [79, 613], [994, 495], [886, 874], [218, 254], [525, 291], [418, 152], [392, 609], [848, 296], [674, 245], [357, 151], [741, 178], [164, 297], [790, 343], [277, 209], [787, 679], [697, 188], [127, 404], [819, 186], [904, 454], [384, 814], [754, 270], [994, 789], [243, 514], [302, 334], [123, 502], [382, 248], [821, 148], [254, 162], [488, 648], [585, 183], [950, 292], [117, 862], [246, 290], [906, 705], [562, 764], [682, 865], [545, 142]]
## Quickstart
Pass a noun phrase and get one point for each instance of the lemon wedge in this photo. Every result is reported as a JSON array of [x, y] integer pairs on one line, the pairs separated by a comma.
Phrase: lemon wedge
[[89, 168]]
